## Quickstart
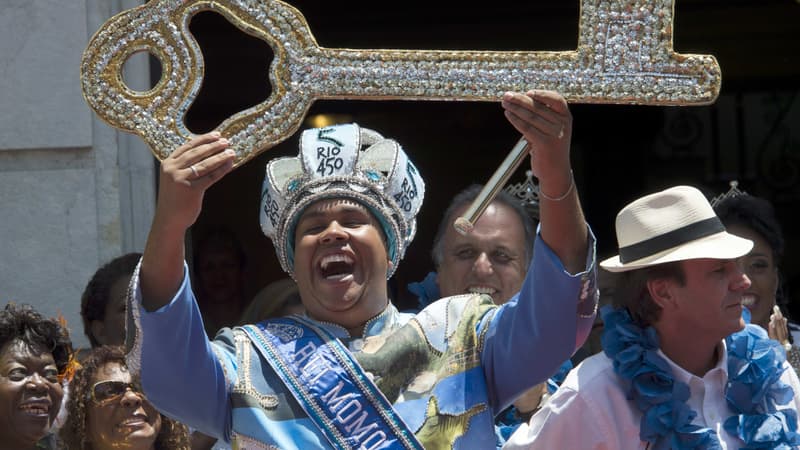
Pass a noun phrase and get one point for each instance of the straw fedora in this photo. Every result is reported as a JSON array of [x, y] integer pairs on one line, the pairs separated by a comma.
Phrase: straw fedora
[[675, 224]]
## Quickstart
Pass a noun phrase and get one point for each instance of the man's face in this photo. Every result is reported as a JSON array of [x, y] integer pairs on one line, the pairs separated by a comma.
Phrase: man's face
[[710, 303], [759, 265], [340, 263], [488, 260]]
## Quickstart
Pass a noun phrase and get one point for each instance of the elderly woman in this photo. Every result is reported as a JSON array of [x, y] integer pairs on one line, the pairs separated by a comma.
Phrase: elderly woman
[[107, 410], [34, 355]]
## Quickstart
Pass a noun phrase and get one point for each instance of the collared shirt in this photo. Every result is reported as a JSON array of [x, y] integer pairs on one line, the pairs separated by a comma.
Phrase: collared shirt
[[591, 411]]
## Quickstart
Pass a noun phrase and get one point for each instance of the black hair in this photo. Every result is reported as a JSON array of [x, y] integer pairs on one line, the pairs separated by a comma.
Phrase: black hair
[[757, 214], [97, 293], [30, 327]]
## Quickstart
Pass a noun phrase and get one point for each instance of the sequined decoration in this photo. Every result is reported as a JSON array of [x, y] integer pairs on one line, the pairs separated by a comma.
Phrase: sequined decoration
[[624, 55]]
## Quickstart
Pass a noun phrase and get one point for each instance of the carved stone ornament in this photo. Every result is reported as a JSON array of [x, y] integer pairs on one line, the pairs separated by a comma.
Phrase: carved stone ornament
[[624, 55]]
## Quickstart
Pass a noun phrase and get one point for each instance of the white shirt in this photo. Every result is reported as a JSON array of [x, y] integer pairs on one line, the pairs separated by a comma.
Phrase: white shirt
[[590, 411]]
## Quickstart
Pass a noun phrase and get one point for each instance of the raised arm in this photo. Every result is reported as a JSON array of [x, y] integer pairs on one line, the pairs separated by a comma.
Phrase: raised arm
[[533, 334], [185, 175], [166, 341], [544, 119]]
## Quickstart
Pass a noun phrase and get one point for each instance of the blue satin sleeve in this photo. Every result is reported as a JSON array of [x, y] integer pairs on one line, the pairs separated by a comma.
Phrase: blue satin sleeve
[[183, 373], [528, 338]]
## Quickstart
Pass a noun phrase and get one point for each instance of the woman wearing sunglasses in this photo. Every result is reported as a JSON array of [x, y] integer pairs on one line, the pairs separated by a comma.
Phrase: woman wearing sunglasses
[[107, 410]]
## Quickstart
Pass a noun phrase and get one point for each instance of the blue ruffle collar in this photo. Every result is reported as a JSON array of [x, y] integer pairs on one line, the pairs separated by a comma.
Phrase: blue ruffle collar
[[753, 391]]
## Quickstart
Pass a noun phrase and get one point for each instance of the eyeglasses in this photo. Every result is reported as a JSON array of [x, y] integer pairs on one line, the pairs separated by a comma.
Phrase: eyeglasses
[[105, 392]]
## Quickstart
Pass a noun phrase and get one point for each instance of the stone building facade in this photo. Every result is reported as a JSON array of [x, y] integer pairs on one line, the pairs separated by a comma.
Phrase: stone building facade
[[74, 193]]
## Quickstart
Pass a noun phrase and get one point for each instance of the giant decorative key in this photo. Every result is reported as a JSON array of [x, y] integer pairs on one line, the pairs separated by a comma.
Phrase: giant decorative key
[[624, 55]]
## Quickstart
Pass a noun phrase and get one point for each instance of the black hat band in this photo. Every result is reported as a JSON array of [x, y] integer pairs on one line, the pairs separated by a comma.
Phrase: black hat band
[[672, 239]]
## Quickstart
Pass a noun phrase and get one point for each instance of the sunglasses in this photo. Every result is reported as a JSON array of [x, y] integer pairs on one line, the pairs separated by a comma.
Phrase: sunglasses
[[104, 392]]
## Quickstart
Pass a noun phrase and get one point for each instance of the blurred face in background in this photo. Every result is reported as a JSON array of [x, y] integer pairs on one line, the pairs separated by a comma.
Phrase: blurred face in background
[[220, 274], [111, 330], [760, 267], [491, 259]]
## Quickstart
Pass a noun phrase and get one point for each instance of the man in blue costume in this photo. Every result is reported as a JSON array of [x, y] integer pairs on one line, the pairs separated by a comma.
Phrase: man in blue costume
[[680, 369], [353, 372]]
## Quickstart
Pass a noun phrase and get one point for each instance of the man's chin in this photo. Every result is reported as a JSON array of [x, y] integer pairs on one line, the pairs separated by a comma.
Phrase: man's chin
[[326, 310]]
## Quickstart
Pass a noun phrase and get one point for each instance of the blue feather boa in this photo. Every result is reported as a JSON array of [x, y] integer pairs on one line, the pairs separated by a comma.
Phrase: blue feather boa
[[753, 391]]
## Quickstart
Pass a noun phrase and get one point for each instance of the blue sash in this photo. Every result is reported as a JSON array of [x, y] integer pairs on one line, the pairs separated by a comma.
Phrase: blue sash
[[330, 386]]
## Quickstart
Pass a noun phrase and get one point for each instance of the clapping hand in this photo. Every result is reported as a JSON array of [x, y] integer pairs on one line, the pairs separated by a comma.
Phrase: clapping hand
[[779, 327]]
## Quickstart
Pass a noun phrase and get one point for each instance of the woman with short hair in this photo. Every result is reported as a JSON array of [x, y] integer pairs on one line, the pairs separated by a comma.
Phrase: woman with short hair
[[34, 356]]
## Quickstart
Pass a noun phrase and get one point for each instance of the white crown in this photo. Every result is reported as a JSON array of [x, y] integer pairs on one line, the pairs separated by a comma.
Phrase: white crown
[[332, 164]]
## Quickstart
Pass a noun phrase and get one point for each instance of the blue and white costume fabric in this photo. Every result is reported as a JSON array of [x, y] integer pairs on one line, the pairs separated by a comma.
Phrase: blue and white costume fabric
[[447, 371]]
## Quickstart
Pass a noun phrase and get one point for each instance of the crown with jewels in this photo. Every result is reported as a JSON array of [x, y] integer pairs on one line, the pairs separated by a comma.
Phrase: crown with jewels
[[342, 161], [526, 193], [734, 191]]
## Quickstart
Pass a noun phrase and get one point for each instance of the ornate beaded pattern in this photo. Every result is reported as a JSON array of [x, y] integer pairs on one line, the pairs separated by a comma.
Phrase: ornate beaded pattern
[[245, 383], [133, 325], [380, 177], [285, 373], [242, 442], [370, 392], [624, 55]]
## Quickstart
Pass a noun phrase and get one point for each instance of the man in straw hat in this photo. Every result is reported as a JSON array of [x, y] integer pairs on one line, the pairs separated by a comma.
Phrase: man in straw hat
[[680, 368]]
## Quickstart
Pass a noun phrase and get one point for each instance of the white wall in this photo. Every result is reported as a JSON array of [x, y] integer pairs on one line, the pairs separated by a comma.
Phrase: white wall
[[74, 193]]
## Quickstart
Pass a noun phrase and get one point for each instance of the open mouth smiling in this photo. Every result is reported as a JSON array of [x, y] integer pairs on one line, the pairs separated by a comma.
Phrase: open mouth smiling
[[748, 300], [135, 421], [36, 408], [336, 267]]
